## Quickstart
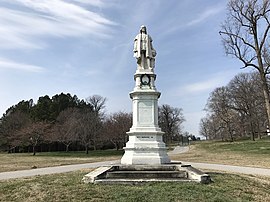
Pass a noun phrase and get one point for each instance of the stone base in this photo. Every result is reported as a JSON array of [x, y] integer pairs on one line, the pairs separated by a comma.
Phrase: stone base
[[134, 174], [145, 156], [145, 148]]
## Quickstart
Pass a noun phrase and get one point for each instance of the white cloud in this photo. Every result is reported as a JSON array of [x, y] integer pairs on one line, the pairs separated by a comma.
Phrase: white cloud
[[66, 11], [203, 85], [25, 27], [199, 18], [8, 64], [207, 84], [205, 14], [97, 3]]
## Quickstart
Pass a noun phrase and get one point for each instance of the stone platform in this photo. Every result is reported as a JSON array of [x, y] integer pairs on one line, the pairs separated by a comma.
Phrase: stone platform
[[134, 174]]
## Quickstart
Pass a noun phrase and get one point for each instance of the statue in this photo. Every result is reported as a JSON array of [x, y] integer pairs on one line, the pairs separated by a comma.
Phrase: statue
[[143, 50]]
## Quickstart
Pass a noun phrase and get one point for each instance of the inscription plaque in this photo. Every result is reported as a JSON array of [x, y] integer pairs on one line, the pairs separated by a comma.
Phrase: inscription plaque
[[145, 112]]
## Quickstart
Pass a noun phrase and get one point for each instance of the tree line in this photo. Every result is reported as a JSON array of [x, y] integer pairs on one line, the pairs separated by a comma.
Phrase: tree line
[[236, 110], [242, 108], [64, 123]]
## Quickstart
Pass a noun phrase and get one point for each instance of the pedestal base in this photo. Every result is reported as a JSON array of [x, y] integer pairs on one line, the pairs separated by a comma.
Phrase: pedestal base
[[145, 145], [137, 174], [138, 156], [145, 148]]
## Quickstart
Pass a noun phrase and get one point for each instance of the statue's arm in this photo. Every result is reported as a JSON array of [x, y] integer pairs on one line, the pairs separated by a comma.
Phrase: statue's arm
[[136, 41], [135, 48], [154, 53]]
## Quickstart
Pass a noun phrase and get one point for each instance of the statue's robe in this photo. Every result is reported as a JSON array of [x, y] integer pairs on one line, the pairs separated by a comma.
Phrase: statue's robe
[[138, 48]]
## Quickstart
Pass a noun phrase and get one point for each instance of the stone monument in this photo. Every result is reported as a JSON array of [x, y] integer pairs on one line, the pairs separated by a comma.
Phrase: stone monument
[[145, 158], [145, 145]]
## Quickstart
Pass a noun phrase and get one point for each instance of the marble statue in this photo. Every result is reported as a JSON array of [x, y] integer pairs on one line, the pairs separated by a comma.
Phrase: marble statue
[[145, 145], [143, 50]]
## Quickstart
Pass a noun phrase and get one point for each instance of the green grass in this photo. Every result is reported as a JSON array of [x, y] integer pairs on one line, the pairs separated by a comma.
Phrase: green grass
[[69, 187], [261, 147]]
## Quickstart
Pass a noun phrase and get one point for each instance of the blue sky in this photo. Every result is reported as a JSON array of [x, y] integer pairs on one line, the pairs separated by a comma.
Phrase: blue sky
[[84, 47]]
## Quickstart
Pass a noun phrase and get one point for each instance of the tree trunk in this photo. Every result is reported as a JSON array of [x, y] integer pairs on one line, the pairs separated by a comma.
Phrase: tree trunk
[[86, 150], [263, 77], [67, 147], [34, 150], [117, 146], [252, 131], [262, 72], [266, 96], [94, 145]]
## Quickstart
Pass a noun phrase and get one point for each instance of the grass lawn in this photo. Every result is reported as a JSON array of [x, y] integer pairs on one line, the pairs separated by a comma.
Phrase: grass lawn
[[69, 187], [243, 153], [23, 161]]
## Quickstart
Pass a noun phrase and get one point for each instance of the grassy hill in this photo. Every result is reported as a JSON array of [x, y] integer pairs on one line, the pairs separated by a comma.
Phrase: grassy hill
[[243, 153]]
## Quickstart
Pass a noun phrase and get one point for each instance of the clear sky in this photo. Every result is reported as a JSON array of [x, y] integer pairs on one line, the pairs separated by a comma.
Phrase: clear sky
[[84, 47]]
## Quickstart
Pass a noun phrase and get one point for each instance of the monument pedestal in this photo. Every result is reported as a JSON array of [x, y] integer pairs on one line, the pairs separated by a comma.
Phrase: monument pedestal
[[145, 145], [145, 148], [145, 158]]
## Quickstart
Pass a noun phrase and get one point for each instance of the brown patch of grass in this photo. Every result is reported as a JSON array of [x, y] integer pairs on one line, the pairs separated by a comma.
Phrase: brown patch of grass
[[199, 153], [13, 162]]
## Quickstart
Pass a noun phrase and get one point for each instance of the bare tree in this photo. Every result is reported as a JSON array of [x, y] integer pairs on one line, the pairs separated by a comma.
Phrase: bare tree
[[236, 110], [116, 127], [246, 98], [65, 128], [212, 128], [10, 125], [98, 104], [204, 128], [245, 37], [170, 120], [33, 133], [219, 104], [88, 128]]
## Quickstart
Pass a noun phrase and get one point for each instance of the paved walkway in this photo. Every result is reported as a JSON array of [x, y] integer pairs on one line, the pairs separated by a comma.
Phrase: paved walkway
[[69, 168], [228, 168], [232, 169], [52, 170], [178, 150]]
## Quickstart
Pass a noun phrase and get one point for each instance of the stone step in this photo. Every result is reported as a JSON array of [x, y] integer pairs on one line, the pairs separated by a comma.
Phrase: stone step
[[138, 181], [135, 174], [146, 167], [145, 174]]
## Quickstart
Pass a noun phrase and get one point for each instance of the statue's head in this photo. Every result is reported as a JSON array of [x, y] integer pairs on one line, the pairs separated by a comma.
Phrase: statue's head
[[143, 29]]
